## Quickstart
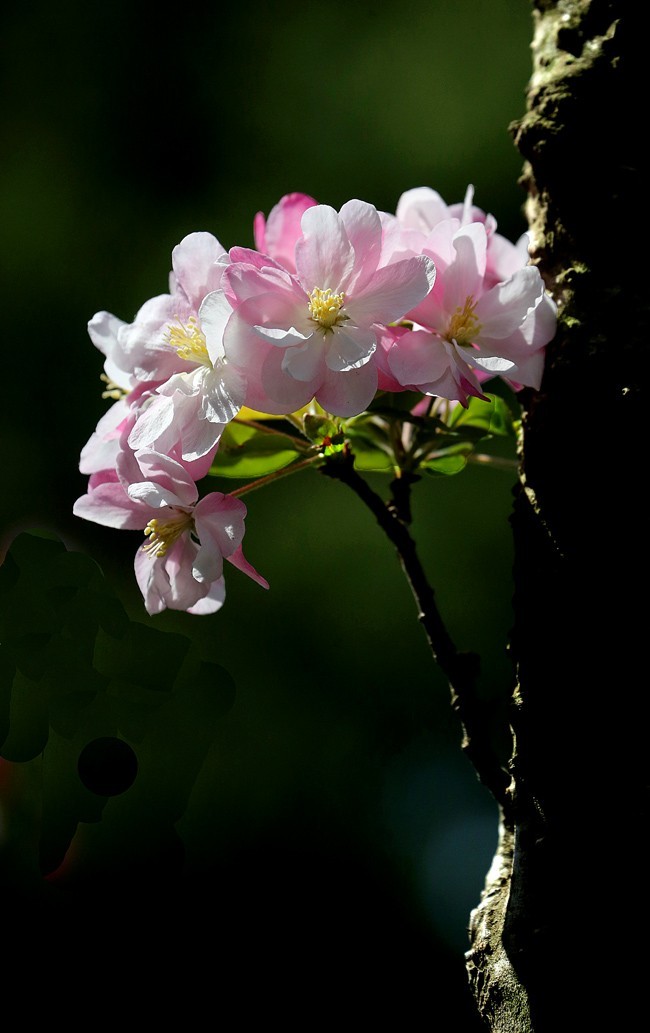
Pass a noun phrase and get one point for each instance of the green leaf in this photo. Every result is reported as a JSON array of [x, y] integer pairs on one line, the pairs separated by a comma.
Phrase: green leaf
[[368, 457], [370, 444], [491, 417], [246, 452], [319, 427], [448, 461]]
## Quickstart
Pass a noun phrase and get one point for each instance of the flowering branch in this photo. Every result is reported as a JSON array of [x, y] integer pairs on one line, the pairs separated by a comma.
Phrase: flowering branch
[[359, 329], [461, 669]]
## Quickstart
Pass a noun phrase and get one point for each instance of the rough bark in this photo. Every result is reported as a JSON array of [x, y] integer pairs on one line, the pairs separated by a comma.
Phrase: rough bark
[[555, 917]]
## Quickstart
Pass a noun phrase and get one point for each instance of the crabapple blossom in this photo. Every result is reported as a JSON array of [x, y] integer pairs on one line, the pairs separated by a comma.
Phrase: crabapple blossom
[[142, 351], [193, 404], [192, 392], [327, 309], [313, 333], [420, 209], [180, 565], [112, 432], [470, 328]]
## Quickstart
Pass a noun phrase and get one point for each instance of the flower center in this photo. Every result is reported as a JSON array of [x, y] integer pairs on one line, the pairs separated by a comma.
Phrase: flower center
[[325, 309], [162, 535], [189, 342], [464, 326]]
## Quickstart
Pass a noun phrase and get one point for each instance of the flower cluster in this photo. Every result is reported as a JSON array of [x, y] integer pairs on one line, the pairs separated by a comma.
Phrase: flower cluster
[[328, 309]]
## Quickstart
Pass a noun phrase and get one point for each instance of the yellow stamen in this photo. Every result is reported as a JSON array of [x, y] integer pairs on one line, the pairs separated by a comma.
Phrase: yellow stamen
[[113, 390], [325, 308], [163, 535], [464, 327], [189, 341]]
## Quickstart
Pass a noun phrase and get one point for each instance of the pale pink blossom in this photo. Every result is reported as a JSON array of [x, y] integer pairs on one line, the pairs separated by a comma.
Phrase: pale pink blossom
[[192, 392], [191, 409], [202, 394], [421, 209], [142, 351], [469, 328], [112, 432], [314, 333], [180, 565], [100, 451]]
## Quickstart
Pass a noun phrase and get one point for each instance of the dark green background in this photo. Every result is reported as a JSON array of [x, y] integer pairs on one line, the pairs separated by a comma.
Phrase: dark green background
[[334, 810]]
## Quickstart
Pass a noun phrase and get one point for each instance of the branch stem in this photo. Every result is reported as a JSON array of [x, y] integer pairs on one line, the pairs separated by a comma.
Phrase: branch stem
[[261, 482], [460, 669]]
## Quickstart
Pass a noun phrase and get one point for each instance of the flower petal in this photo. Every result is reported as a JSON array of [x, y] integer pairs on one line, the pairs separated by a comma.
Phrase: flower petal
[[219, 521], [110, 505], [503, 309], [152, 424], [214, 313], [349, 347], [305, 362], [418, 358], [211, 602], [420, 209], [363, 229], [197, 267], [152, 581], [152, 495], [272, 390], [392, 291], [324, 255], [278, 235], [348, 394], [168, 474], [239, 560], [464, 277], [281, 338], [224, 389], [199, 438]]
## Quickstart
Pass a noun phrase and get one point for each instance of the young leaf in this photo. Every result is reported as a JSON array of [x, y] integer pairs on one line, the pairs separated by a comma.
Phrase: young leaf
[[450, 461], [492, 416], [247, 452]]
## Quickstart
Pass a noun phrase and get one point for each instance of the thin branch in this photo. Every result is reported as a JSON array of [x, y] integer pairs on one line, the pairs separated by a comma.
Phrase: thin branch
[[498, 462], [461, 669], [400, 502], [270, 477], [264, 429]]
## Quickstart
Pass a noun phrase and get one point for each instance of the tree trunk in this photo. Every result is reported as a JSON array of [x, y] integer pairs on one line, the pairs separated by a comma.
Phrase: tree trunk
[[567, 879]]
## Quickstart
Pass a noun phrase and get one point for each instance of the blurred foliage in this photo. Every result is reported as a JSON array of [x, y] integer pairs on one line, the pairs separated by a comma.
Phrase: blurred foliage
[[104, 702]]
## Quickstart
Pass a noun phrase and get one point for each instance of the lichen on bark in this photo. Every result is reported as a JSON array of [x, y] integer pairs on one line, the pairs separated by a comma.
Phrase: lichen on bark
[[577, 634]]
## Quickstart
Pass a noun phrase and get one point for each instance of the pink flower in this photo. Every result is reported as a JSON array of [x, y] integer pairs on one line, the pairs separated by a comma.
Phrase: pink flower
[[203, 394], [191, 409], [421, 209], [112, 432], [313, 333], [470, 328], [194, 394], [142, 351], [180, 565]]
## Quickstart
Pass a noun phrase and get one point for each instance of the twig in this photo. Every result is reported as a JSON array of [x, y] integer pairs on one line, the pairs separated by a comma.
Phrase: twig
[[270, 477], [461, 669]]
